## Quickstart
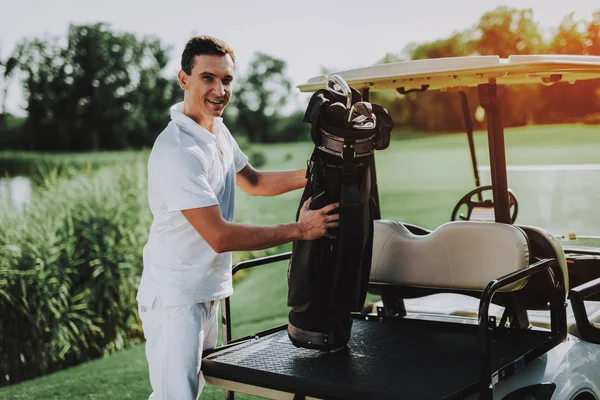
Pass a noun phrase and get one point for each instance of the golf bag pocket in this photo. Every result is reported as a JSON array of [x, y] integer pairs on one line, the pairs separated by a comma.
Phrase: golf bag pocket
[[318, 201], [301, 279]]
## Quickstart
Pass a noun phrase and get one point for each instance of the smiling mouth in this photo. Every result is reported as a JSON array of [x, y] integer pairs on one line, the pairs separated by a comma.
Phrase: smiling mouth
[[217, 102]]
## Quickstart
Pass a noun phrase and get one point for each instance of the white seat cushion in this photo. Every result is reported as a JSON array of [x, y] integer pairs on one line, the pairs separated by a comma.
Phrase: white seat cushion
[[457, 255]]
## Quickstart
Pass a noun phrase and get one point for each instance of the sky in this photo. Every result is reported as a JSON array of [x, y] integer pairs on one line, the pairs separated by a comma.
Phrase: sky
[[308, 34]]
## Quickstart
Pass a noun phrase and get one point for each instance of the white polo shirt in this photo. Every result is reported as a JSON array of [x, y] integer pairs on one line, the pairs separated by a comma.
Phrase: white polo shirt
[[189, 167]]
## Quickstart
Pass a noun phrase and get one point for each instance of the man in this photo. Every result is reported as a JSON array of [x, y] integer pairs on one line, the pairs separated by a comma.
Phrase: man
[[192, 171]]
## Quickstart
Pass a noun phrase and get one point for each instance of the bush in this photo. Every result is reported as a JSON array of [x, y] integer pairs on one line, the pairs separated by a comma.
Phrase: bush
[[592, 119], [31, 163], [69, 270], [11, 131], [70, 263], [290, 129], [257, 159]]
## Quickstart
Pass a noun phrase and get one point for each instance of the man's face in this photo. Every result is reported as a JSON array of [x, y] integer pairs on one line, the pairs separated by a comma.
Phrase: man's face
[[208, 88]]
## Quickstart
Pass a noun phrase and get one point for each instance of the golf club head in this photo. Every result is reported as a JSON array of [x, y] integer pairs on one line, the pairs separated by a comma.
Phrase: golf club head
[[337, 85], [335, 114], [361, 116], [360, 108], [363, 108], [362, 122]]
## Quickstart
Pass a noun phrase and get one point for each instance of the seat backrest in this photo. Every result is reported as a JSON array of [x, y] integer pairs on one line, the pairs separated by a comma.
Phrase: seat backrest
[[542, 244], [458, 255]]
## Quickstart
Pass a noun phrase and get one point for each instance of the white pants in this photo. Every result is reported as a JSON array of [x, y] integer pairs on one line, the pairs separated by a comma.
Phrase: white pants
[[175, 338]]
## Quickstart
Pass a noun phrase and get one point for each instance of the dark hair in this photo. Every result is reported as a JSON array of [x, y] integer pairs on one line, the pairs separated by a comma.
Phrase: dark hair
[[204, 44]]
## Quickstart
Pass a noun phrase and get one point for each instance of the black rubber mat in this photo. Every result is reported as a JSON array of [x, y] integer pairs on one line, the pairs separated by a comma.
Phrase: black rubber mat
[[398, 359]]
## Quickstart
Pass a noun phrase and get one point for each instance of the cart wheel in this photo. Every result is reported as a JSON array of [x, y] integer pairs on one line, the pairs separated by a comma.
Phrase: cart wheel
[[483, 210]]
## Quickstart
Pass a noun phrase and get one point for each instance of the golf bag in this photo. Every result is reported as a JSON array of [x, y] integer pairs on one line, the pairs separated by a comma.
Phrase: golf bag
[[328, 277]]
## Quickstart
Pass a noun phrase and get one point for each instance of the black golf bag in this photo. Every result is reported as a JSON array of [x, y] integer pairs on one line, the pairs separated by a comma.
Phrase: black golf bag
[[328, 277]]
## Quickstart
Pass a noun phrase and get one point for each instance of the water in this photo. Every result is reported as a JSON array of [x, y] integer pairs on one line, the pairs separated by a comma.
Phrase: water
[[16, 190]]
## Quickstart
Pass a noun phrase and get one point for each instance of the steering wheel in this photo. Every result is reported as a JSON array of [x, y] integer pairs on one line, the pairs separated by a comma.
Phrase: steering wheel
[[483, 205]]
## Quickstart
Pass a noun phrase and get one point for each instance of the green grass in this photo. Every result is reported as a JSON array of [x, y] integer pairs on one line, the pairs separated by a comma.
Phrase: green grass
[[420, 180], [93, 380]]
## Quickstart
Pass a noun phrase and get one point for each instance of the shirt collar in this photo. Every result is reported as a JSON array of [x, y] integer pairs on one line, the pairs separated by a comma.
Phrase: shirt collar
[[191, 127]]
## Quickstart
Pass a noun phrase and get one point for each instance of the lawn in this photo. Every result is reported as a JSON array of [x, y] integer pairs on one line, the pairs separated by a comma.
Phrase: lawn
[[419, 180]]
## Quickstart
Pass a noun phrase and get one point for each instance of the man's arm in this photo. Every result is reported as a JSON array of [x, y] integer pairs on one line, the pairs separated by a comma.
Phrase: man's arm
[[270, 183], [224, 236]]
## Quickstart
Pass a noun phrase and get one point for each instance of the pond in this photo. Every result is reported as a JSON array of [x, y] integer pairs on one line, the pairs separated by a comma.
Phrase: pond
[[16, 190]]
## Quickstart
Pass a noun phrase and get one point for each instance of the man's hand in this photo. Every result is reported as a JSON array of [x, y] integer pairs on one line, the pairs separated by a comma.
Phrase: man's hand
[[225, 236], [314, 223]]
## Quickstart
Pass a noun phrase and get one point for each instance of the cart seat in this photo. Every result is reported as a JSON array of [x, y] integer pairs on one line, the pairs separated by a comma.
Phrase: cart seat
[[458, 255], [542, 244], [468, 255]]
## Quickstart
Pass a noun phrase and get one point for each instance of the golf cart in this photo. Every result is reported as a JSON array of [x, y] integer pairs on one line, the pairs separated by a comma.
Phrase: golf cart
[[481, 307]]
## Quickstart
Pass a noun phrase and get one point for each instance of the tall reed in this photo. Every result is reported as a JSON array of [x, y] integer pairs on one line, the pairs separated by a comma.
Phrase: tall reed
[[69, 268], [70, 263], [29, 163]]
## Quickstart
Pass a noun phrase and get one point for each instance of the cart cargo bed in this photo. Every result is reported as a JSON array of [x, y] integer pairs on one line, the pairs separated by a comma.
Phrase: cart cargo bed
[[391, 358]]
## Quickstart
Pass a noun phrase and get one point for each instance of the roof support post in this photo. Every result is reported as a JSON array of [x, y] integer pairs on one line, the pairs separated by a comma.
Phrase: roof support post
[[365, 94], [489, 101], [469, 129]]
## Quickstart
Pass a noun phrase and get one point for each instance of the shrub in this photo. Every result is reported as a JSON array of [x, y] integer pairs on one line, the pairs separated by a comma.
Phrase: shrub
[[70, 263], [257, 159], [69, 270], [592, 119], [31, 164]]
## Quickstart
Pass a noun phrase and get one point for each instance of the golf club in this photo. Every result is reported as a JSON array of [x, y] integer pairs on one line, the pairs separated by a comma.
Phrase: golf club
[[361, 116], [336, 84]]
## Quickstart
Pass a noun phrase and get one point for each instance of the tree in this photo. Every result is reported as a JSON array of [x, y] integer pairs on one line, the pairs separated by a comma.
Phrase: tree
[[8, 67], [569, 37], [258, 99], [506, 31], [592, 35], [104, 90], [572, 102], [458, 44], [149, 103], [10, 127], [438, 111]]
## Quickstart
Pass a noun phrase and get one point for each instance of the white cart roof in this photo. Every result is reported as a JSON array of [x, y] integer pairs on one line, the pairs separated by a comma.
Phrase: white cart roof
[[459, 72]]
